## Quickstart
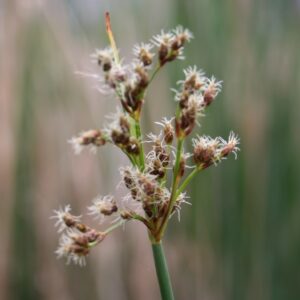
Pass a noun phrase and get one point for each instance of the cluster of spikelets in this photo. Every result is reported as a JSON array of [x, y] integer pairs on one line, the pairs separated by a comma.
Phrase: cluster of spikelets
[[149, 200]]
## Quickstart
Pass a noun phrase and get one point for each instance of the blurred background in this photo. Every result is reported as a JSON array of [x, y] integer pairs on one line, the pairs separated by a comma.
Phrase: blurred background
[[240, 239]]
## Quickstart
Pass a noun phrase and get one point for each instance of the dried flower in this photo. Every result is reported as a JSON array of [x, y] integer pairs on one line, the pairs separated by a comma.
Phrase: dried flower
[[93, 138], [211, 91], [181, 36], [170, 44], [168, 130], [230, 146], [103, 206], [187, 119], [75, 246], [205, 151], [64, 219], [72, 252], [143, 53], [194, 79], [104, 58]]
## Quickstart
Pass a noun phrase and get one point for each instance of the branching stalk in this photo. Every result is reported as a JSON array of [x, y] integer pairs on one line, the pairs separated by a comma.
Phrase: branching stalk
[[139, 137], [187, 181], [175, 182], [114, 226]]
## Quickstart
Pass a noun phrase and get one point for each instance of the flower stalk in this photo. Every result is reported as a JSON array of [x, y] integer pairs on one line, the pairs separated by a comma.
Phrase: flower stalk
[[186, 181], [175, 182], [139, 138]]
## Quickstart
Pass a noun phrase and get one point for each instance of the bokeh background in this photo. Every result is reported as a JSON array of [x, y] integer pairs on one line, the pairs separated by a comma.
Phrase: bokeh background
[[240, 239]]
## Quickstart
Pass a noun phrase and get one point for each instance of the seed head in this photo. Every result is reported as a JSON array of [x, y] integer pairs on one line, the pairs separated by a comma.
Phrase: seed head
[[129, 175], [168, 130], [118, 74], [205, 151], [118, 129], [211, 91], [163, 39], [194, 79], [93, 138], [71, 251], [181, 36], [103, 206], [75, 246], [104, 58], [188, 116], [143, 53], [230, 146], [64, 219], [133, 146], [170, 44]]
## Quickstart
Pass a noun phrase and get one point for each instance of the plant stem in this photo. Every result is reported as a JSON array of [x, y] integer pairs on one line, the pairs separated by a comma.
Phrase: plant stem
[[176, 179], [187, 181], [114, 226], [154, 73], [162, 272], [139, 137]]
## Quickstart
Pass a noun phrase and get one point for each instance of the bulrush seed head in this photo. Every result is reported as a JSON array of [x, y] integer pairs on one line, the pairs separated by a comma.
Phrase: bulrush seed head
[[188, 116], [93, 138], [76, 246], [104, 58], [143, 53], [127, 215], [205, 151], [168, 130], [211, 91], [230, 146], [152, 198], [133, 146], [170, 44], [208, 151], [64, 219], [103, 206], [181, 36], [117, 75], [194, 79]]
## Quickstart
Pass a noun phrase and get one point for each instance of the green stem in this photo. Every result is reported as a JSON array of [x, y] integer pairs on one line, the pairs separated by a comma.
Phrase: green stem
[[162, 272], [154, 73], [113, 227], [187, 181], [175, 183], [131, 158], [139, 137]]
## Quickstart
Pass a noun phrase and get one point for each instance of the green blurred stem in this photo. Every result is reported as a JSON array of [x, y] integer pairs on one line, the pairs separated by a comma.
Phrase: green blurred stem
[[187, 181], [176, 179], [154, 73], [131, 158], [139, 137], [115, 226], [162, 272]]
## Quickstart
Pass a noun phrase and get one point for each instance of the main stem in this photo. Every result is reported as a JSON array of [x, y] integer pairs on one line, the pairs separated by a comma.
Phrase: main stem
[[162, 272]]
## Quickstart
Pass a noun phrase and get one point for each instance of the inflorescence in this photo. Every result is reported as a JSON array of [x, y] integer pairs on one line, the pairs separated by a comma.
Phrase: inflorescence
[[150, 199]]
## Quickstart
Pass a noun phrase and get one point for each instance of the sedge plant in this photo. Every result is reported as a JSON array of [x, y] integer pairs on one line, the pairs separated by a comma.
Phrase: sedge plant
[[156, 180]]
